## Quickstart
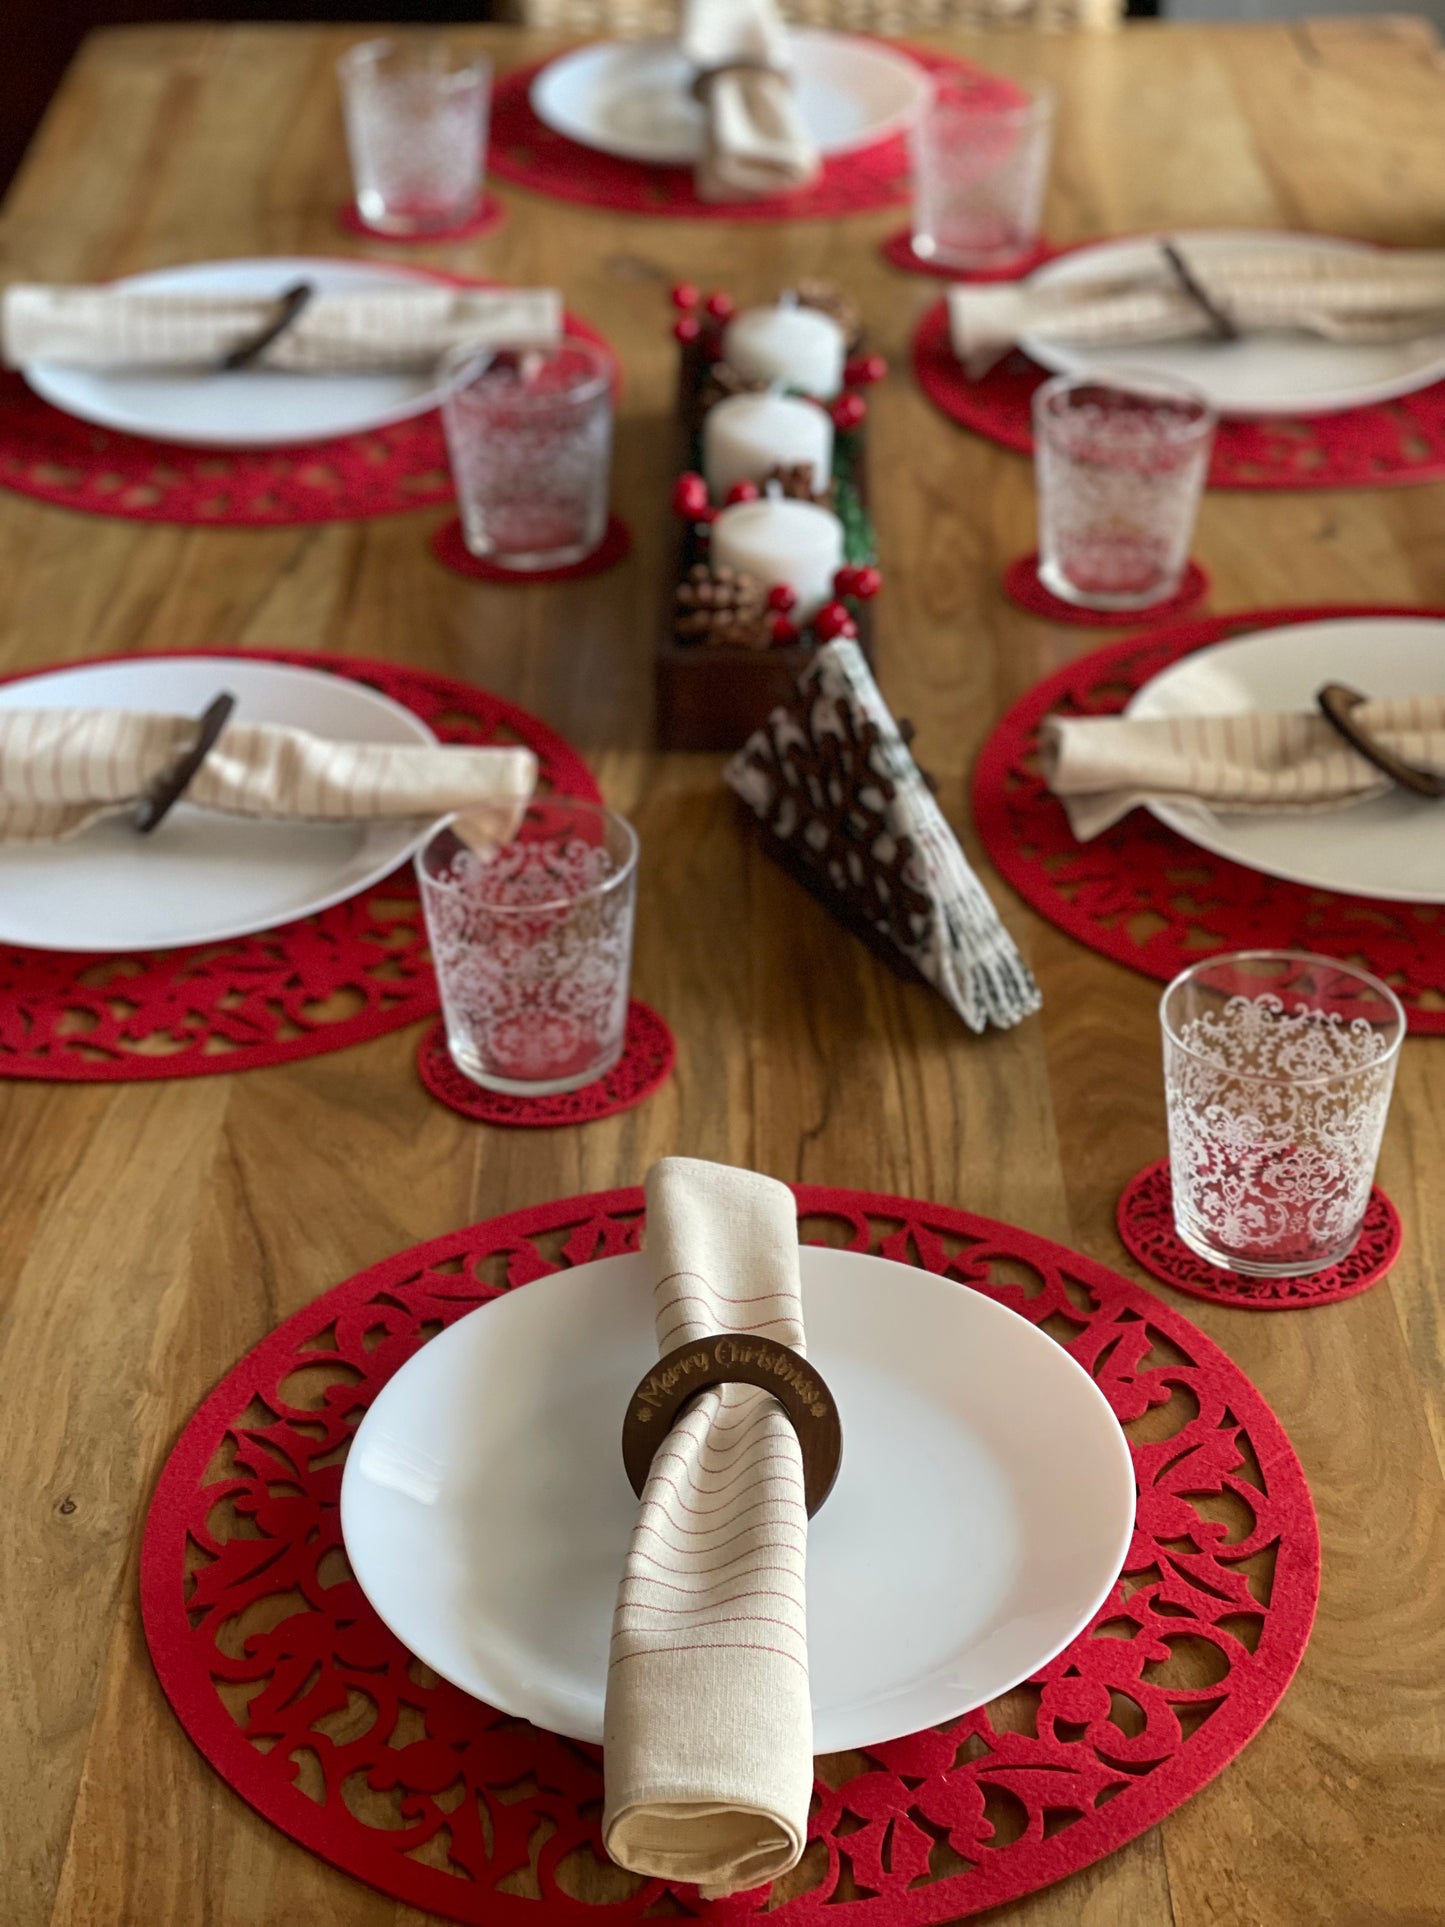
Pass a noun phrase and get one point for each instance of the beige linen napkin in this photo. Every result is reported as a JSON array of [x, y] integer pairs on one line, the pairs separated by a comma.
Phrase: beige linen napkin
[[1264, 762], [64, 769], [708, 1747], [756, 142], [1388, 295], [387, 328]]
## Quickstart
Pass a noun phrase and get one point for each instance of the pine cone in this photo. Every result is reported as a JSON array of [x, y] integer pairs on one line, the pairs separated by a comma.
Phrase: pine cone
[[830, 299], [796, 482], [723, 380], [722, 609]]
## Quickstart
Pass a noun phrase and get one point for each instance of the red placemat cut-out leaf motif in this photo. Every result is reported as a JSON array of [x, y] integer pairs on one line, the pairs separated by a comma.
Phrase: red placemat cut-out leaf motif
[[313, 1712], [1142, 895], [334, 979]]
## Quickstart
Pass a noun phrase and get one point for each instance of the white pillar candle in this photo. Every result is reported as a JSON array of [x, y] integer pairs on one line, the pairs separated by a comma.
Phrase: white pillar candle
[[745, 436], [778, 540], [799, 346]]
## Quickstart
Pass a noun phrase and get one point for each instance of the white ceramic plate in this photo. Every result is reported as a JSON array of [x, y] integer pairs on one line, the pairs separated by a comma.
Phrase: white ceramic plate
[[1261, 374], [632, 98], [980, 1518], [1393, 847], [201, 877], [253, 408]]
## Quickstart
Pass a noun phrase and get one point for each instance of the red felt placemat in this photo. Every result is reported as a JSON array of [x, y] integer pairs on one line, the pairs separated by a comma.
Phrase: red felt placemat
[[449, 546], [527, 153], [55, 458], [1391, 443], [1025, 588], [328, 981], [1144, 896], [1145, 1218], [274, 1661], [489, 215]]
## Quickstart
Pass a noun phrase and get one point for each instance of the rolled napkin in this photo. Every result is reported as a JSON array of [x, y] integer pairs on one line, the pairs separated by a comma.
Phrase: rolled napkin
[[1264, 762], [708, 1737], [879, 851], [756, 142], [386, 328], [63, 769], [1381, 295]]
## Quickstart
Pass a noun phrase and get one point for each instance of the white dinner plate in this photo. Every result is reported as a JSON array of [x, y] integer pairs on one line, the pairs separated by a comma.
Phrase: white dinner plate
[[1268, 374], [632, 97], [255, 407], [981, 1515], [1392, 847], [201, 877]]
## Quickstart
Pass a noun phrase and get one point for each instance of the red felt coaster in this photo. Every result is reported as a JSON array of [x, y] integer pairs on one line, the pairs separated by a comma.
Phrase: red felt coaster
[[526, 152], [648, 1055], [335, 979], [1022, 586], [1146, 1225], [488, 216], [54, 458], [316, 1715], [1391, 443], [1142, 895], [898, 249], [449, 546]]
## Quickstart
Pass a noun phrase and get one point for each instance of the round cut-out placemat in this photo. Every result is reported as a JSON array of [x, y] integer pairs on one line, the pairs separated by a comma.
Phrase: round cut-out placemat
[[1145, 1219], [1391, 443], [328, 981], [299, 1697], [649, 1052], [526, 152], [1142, 895]]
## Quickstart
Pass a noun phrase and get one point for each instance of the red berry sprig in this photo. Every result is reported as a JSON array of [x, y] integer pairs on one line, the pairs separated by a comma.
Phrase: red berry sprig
[[833, 620], [743, 492], [848, 411], [690, 498], [862, 583], [686, 295], [687, 328], [863, 370], [721, 306], [785, 631], [782, 598]]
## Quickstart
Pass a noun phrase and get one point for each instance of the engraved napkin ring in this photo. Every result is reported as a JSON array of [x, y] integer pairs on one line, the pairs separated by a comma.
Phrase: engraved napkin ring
[[736, 1358], [172, 786], [1338, 704]]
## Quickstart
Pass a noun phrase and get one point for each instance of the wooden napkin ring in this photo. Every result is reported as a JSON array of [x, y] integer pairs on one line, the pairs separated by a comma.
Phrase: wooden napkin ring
[[704, 81], [736, 1358], [1218, 317], [1338, 704], [178, 778], [291, 302]]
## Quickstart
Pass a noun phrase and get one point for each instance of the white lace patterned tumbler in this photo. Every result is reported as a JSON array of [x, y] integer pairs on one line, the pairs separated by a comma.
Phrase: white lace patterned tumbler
[[1278, 1069], [529, 437], [416, 126], [1120, 462], [980, 164], [530, 927]]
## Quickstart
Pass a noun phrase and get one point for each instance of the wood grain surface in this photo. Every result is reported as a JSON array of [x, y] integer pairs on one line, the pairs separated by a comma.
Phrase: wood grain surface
[[153, 1232]]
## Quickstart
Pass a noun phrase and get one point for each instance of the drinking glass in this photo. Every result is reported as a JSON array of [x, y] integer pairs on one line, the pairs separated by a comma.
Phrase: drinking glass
[[416, 124], [980, 162], [1278, 1068], [529, 434], [530, 927], [1120, 462]]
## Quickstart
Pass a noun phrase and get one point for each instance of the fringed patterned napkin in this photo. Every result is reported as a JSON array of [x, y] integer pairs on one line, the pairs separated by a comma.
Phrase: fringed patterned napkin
[[1389, 295], [1265, 762], [831, 778], [388, 328], [63, 769], [708, 1738], [756, 142]]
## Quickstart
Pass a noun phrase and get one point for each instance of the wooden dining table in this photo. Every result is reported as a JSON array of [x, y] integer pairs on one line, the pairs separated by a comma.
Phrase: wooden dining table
[[153, 1232]]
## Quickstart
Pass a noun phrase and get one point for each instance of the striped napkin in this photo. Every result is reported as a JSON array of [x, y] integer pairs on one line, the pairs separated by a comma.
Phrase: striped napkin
[[756, 143], [1262, 762], [1384, 295], [708, 1740], [63, 769], [403, 327]]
